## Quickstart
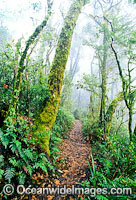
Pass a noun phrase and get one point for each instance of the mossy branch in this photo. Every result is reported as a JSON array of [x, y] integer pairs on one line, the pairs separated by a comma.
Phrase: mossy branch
[[29, 42], [21, 68], [124, 84], [111, 111]]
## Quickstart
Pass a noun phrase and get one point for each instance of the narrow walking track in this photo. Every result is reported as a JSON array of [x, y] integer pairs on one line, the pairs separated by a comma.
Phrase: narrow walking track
[[76, 154], [72, 162], [74, 158]]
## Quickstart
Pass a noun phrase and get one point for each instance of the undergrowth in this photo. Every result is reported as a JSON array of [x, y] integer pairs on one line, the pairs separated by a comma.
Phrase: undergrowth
[[20, 155], [115, 161]]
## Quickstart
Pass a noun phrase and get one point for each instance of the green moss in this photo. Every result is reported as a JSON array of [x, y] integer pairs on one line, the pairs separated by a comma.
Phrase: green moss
[[48, 115], [110, 112]]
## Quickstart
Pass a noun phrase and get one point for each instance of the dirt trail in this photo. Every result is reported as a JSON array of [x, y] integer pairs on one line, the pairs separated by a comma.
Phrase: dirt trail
[[76, 154], [72, 163]]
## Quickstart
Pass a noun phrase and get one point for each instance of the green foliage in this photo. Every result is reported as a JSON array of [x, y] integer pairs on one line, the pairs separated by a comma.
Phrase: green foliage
[[78, 114], [20, 155], [37, 95], [66, 95], [116, 158], [89, 83], [9, 174], [91, 129], [64, 121], [7, 57]]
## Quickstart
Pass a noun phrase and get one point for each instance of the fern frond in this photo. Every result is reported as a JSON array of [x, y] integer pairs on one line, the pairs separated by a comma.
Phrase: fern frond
[[5, 140], [41, 165], [1, 173], [22, 178], [1, 160], [9, 174], [29, 154], [101, 197], [13, 161]]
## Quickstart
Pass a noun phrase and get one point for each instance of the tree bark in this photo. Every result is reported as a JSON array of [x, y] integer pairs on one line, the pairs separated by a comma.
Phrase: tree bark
[[111, 111], [129, 95], [21, 68], [47, 117], [104, 79]]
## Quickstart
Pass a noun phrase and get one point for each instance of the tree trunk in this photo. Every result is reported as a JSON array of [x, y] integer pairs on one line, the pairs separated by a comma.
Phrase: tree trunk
[[129, 96], [111, 111], [47, 117], [21, 68], [130, 123], [104, 80]]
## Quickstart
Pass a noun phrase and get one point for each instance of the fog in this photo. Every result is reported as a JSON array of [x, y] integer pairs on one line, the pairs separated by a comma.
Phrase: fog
[[22, 17]]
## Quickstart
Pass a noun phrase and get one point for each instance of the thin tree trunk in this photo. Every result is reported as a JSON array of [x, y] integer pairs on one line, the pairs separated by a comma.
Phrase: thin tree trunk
[[21, 68], [130, 123], [127, 93], [104, 80]]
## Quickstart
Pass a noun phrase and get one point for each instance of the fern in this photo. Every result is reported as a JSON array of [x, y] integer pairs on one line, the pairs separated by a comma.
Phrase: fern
[[44, 168], [55, 149], [47, 163], [23, 156], [5, 140], [22, 178], [13, 161], [13, 147], [93, 177], [1, 173], [17, 143], [28, 153], [1, 160], [41, 165], [56, 140], [30, 170], [1, 133], [9, 174], [101, 197]]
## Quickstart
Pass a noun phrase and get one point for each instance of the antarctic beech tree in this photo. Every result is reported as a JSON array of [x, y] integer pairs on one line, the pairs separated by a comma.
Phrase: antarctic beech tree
[[22, 66], [103, 69], [106, 8], [110, 112], [47, 117], [129, 93]]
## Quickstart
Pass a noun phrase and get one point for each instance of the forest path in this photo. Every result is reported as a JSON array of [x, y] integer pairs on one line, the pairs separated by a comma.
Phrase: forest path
[[72, 163], [75, 152]]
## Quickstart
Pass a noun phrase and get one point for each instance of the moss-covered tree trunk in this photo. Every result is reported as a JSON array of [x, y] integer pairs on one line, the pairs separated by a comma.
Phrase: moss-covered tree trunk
[[22, 66], [128, 93], [104, 79], [47, 117], [111, 111]]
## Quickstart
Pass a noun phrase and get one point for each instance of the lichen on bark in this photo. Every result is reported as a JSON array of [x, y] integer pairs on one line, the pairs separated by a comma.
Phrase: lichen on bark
[[47, 117], [111, 111]]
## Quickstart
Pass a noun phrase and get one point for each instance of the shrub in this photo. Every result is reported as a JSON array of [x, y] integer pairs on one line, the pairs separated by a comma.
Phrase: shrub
[[20, 156], [64, 121], [116, 160], [37, 95], [63, 124]]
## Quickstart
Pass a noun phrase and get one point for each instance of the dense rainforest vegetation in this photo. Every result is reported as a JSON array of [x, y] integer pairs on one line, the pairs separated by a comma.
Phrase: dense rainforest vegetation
[[68, 98]]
